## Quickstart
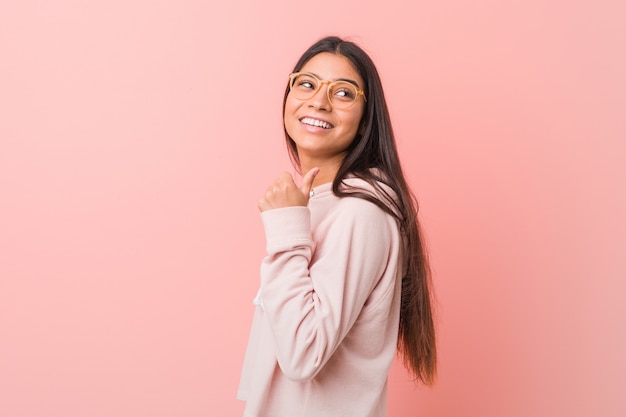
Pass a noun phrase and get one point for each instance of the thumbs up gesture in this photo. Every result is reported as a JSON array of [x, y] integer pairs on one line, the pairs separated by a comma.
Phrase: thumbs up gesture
[[285, 193]]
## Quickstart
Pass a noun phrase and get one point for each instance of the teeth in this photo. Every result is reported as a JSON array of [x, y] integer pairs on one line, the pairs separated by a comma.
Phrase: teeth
[[316, 123]]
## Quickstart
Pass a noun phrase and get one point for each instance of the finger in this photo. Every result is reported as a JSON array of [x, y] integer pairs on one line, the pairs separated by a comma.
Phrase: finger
[[283, 182], [307, 180], [263, 205], [285, 176]]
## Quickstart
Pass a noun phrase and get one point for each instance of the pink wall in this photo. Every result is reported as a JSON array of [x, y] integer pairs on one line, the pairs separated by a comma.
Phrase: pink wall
[[136, 137]]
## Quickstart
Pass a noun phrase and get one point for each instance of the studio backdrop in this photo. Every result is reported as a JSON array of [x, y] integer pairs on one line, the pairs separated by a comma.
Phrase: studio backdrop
[[136, 137]]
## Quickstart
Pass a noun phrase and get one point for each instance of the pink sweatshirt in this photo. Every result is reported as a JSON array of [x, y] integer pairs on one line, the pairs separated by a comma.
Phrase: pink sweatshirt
[[325, 324]]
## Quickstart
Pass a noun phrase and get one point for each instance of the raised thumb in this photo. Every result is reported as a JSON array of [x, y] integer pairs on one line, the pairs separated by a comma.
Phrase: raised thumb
[[307, 180]]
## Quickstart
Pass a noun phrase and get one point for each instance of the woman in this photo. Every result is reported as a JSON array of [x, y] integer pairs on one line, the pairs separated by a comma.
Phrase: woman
[[345, 281]]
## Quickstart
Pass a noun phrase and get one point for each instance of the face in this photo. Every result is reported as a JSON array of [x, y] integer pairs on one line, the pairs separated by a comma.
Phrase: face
[[320, 130]]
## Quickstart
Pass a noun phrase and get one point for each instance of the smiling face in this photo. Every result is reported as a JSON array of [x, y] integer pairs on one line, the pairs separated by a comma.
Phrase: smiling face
[[322, 132]]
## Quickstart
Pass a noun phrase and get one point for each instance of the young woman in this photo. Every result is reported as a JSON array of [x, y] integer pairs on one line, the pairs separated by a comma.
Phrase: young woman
[[345, 281]]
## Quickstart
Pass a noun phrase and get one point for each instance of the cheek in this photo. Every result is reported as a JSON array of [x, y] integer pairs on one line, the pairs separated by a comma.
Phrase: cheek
[[289, 118], [290, 108], [355, 122]]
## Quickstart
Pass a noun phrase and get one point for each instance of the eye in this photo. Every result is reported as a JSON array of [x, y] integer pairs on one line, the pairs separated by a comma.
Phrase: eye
[[305, 82], [344, 91]]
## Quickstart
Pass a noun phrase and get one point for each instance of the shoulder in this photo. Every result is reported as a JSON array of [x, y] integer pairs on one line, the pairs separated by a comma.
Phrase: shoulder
[[375, 191], [360, 208], [356, 210]]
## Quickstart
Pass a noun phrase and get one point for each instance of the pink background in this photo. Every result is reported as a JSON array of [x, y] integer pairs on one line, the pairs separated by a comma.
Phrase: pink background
[[136, 137]]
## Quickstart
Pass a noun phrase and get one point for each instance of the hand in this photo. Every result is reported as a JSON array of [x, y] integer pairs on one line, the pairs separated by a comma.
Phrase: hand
[[285, 193]]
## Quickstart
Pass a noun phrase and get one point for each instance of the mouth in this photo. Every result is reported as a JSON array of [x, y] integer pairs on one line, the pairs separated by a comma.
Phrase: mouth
[[316, 123]]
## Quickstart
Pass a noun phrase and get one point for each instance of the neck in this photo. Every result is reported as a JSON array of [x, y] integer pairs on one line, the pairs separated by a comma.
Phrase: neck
[[328, 168]]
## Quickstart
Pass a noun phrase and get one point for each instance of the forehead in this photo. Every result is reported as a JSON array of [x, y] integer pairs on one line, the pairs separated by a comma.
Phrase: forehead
[[332, 67]]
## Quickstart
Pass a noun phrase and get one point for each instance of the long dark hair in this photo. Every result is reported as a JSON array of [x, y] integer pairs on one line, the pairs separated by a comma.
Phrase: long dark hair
[[373, 157]]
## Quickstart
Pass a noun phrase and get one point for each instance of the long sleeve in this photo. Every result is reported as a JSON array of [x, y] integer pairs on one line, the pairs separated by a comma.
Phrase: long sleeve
[[312, 295], [325, 325]]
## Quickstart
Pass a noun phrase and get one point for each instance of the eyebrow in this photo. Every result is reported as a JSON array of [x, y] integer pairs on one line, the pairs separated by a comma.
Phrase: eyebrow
[[348, 80]]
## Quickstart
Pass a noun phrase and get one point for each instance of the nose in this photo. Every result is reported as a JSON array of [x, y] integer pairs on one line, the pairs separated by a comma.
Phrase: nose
[[320, 100]]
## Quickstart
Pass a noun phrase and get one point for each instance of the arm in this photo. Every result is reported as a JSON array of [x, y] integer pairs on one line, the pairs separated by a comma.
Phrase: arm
[[311, 307]]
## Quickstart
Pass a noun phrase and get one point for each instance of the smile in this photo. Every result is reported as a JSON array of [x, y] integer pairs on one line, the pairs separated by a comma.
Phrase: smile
[[315, 122]]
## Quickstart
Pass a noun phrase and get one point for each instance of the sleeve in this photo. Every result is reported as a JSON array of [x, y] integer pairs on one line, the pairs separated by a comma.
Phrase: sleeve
[[312, 306]]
